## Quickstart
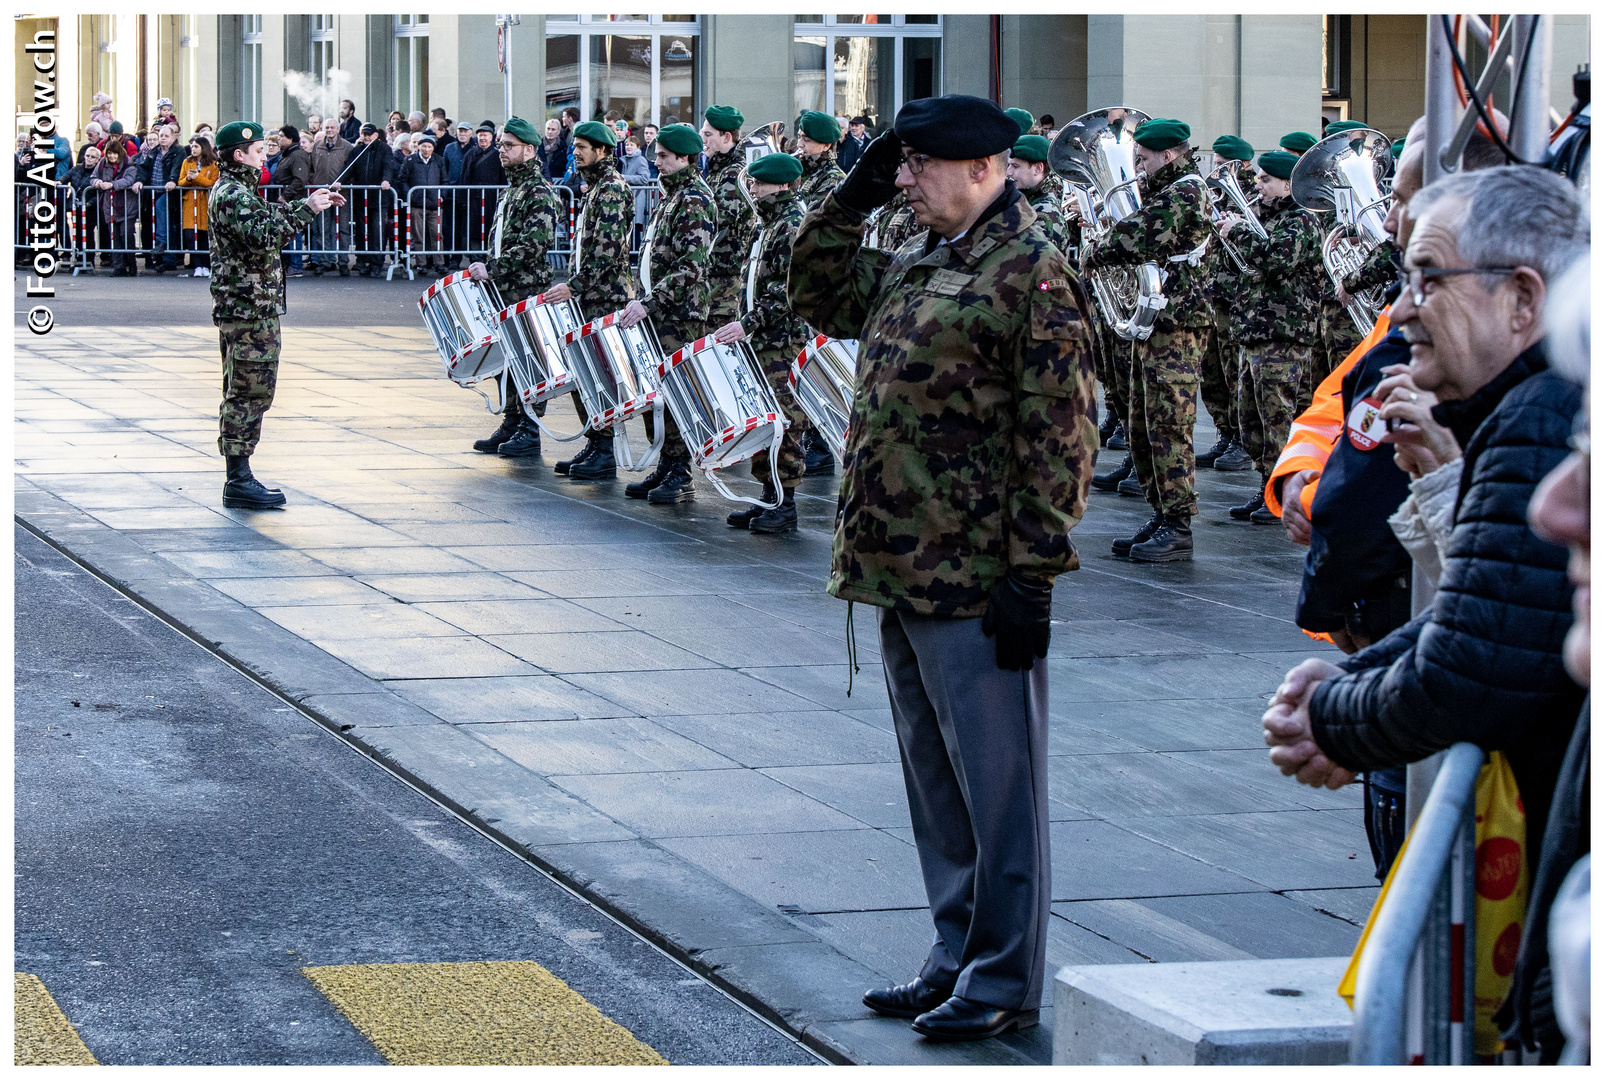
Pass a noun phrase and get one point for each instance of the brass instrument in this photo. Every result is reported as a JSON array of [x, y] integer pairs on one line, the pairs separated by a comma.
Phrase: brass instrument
[[1343, 174], [1096, 152], [764, 140], [1223, 186]]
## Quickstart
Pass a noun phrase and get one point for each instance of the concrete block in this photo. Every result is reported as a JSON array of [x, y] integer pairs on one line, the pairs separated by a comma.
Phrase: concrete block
[[1238, 1012]]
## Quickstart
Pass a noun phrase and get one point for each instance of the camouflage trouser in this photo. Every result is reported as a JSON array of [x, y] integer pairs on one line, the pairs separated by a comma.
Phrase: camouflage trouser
[[724, 303], [1164, 407], [1268, 391], [250, 375], [1339, 336], [1218, 379], [776, 365], [675, 450], [1114, 372]]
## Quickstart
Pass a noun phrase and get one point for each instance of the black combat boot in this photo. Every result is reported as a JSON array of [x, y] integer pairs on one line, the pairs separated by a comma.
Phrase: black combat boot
[[741, 519], [526, 441], [1263, 515], [642, 488], [597, 463], [242, 491], [1109, 481], [1212, 455], [1235, 459], [1172, 541], [1107, 428], [817, 458], [1117, 441], [1131, 486], [1246, 511], [782, 518], [510, 422], [1123, 547], [591, 440], [678, 486]]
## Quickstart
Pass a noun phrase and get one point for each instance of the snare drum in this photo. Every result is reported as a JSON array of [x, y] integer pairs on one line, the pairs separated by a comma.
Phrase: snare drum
[[723, 404], [535, 330], [615, 369], [822, 378], [461, 316]]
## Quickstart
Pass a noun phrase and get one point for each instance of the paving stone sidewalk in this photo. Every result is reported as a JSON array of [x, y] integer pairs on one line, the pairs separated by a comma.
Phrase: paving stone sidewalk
[[654, 706]]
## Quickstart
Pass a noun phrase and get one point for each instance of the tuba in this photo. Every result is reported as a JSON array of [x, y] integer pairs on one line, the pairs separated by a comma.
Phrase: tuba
[[1096, 152], [1343, 173], [764, 140], [1223, 187]]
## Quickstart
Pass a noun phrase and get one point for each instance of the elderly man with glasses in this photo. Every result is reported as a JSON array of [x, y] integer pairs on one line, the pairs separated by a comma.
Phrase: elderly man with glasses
[[1485, 662], [967, 465]]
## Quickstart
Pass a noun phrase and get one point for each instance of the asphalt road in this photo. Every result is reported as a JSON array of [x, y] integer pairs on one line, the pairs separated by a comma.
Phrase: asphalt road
[[185, 843]]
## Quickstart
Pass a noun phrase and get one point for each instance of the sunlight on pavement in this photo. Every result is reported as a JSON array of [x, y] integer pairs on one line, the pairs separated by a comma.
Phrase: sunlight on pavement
[[42, 1035]]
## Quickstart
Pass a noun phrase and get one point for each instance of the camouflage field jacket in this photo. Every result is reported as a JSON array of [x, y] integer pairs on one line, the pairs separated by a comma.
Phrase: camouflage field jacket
[[526, 222], [970, 446], [247, 233], [820, 176], [1377, 270], [682, 230], [768, 319], [600, 274], [1050, 215], [1172, 224], [727, 263], [1281, 293], [1225, 279]]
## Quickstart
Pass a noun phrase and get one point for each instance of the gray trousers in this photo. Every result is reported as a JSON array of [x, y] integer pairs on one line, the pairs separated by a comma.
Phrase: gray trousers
[[974, 744]]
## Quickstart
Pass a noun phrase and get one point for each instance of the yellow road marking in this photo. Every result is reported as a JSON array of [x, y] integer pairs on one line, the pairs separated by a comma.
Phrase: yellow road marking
[[497, 1012], [42, 1035]]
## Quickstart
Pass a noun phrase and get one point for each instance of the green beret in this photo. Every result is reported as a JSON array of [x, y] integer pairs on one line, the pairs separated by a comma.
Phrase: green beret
[[1398, 149], [1278, 163], [723, 118], [1338, 127], [1230, 146], [1297, 142], [1159, 134], [680, 139], [1031, 148], [820, 127], [1023, 118], [775, 169], [596, 134], [239, 133], [522, 130]]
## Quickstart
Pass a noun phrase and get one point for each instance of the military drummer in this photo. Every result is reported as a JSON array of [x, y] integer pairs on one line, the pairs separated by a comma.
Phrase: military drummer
[[968, 458], [247, 285]]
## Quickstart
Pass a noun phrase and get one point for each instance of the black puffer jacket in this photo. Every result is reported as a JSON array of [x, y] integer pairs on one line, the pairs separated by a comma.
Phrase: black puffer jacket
[[1483, 664]]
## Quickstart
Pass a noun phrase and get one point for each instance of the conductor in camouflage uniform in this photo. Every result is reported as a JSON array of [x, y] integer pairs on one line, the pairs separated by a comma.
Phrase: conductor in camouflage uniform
[[1028, 168], [1219, 376], [721, 134], [674, 277], [1276, 312], [1172, 229], [520, 236], [247, 233], [968, 454], [600, 279], [817, 136], [776, 335]]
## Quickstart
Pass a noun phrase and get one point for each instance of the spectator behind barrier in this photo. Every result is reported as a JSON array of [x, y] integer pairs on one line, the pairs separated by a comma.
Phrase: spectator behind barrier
[[197, 174], [1483, 664]]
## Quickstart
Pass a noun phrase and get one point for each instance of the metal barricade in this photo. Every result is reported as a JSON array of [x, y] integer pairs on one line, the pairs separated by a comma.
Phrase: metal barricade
[[1414, 1000], [60, 219]]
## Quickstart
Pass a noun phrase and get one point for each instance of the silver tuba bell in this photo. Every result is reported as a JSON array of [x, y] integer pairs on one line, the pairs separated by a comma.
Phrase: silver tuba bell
[[1343, 174], [1097, 151]]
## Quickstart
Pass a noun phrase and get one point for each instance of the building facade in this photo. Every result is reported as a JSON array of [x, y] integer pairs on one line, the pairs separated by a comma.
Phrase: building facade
[[1257, 76]]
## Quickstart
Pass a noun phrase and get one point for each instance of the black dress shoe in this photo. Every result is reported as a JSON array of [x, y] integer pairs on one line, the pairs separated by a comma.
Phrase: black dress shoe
[[909, 1000], [957, 1020]]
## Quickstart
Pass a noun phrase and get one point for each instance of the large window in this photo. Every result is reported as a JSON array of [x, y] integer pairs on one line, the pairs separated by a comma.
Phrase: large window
[[412, 63], [639, 68], [320, 32], [865, 65], [251, 67], [104, 29]]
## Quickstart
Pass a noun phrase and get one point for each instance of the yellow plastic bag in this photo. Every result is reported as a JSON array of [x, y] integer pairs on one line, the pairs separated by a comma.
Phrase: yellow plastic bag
[[1501, 899]]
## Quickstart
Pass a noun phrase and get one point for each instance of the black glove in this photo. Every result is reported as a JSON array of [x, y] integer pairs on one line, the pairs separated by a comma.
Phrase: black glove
[[873, 182], [1018, 615]]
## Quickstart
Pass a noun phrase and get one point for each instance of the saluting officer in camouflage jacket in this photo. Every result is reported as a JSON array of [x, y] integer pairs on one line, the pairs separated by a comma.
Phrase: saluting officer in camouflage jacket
[[721, 134], [247, 282], [1276, 311], [775, 333], [968, 455], [1219, 376], [600, 278], [1028, 168], [522, 233], [1172, 229], [674, 279], [817, 136]]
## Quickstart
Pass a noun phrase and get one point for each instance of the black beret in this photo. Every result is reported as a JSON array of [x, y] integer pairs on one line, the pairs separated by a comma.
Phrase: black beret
[[956, 127]]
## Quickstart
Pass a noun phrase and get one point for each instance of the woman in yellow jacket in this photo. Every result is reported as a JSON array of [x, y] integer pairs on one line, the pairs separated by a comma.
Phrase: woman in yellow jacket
[[198, 173]]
